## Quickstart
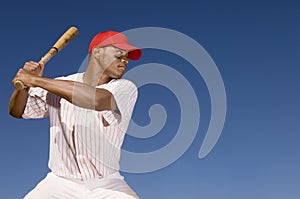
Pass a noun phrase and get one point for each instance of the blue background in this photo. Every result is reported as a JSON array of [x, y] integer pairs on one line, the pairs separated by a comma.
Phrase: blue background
[[255, 45]]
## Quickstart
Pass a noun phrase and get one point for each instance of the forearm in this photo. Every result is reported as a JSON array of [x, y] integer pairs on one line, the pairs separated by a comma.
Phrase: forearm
[[79, 94], [17, 102]]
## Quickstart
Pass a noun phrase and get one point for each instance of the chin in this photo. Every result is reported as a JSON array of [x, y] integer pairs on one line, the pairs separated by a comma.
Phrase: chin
[[117, 76]]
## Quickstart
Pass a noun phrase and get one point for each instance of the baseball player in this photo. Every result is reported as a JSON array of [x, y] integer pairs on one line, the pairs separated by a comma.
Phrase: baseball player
[[89, 114]]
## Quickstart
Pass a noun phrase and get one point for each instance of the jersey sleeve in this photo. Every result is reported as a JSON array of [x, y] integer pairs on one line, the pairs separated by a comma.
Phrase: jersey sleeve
[[125, 93], [36, 106]]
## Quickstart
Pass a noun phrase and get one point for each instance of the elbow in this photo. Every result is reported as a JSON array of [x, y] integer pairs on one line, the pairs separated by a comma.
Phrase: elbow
[[102, 104], [104, 101], [15, 114]]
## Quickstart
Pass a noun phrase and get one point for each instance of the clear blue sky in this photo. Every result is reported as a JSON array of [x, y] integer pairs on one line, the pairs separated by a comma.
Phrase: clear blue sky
[[256, 47]]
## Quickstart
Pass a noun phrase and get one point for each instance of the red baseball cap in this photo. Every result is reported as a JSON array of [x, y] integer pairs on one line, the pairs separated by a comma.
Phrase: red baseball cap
[[116, 39]]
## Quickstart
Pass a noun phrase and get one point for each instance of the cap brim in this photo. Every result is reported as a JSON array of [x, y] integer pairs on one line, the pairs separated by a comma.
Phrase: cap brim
[[134, 52]]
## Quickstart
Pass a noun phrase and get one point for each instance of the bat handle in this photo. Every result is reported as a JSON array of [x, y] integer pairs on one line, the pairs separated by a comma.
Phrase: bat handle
[[19, 85], [49, 55]]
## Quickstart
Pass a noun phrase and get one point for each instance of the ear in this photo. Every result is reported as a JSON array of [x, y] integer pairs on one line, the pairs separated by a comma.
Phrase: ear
[[96, 52]]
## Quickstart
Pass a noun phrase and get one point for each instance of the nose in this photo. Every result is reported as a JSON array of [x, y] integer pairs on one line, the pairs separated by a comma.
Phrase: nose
[[125, 61]]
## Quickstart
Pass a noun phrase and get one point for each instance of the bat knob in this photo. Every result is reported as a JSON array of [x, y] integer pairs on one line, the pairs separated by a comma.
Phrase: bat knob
[[19, 85]]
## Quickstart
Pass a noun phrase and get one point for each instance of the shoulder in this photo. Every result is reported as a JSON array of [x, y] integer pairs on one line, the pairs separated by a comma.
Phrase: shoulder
[[73, 76], [123, 83], [121, 87]]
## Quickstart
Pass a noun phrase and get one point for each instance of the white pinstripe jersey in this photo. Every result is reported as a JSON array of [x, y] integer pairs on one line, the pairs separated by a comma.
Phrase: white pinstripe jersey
[[81, 147]]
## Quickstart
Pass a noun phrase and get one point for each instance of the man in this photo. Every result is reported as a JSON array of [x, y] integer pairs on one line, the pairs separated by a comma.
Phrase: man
[[89, 114]]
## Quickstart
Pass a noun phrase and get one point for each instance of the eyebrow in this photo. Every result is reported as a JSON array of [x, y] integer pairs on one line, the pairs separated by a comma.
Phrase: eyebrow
[[118, 49], [122, 52]]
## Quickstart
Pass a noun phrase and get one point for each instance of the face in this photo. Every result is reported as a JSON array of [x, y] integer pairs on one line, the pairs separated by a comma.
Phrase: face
[[114, 61]]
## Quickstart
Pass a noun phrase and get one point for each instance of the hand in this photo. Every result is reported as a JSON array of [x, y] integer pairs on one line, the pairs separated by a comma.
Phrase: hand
[[29, 72], [34, 67]]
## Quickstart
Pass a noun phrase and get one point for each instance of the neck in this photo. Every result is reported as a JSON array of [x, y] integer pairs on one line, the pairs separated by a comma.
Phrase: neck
[[94, 75]]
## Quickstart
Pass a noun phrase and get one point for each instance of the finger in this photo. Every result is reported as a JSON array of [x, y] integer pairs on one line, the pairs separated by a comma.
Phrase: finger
[[28, 66], [31, 63], [20, 71], [41, 66], [15, 79], [34, 63], [32, 66]]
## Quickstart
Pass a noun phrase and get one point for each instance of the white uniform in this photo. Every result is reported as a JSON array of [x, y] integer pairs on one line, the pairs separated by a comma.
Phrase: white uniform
[[84, 151]]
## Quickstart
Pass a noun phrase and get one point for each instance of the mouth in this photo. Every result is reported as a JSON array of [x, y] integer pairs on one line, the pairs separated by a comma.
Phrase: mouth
[[122, 67]]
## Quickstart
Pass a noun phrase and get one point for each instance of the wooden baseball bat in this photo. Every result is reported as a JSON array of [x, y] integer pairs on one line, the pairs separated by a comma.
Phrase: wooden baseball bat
[[70, 34]]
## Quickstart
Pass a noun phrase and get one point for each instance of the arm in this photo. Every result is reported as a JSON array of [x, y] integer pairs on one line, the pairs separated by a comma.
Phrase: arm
[[18, 102], [79, 94], [19, 98]]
